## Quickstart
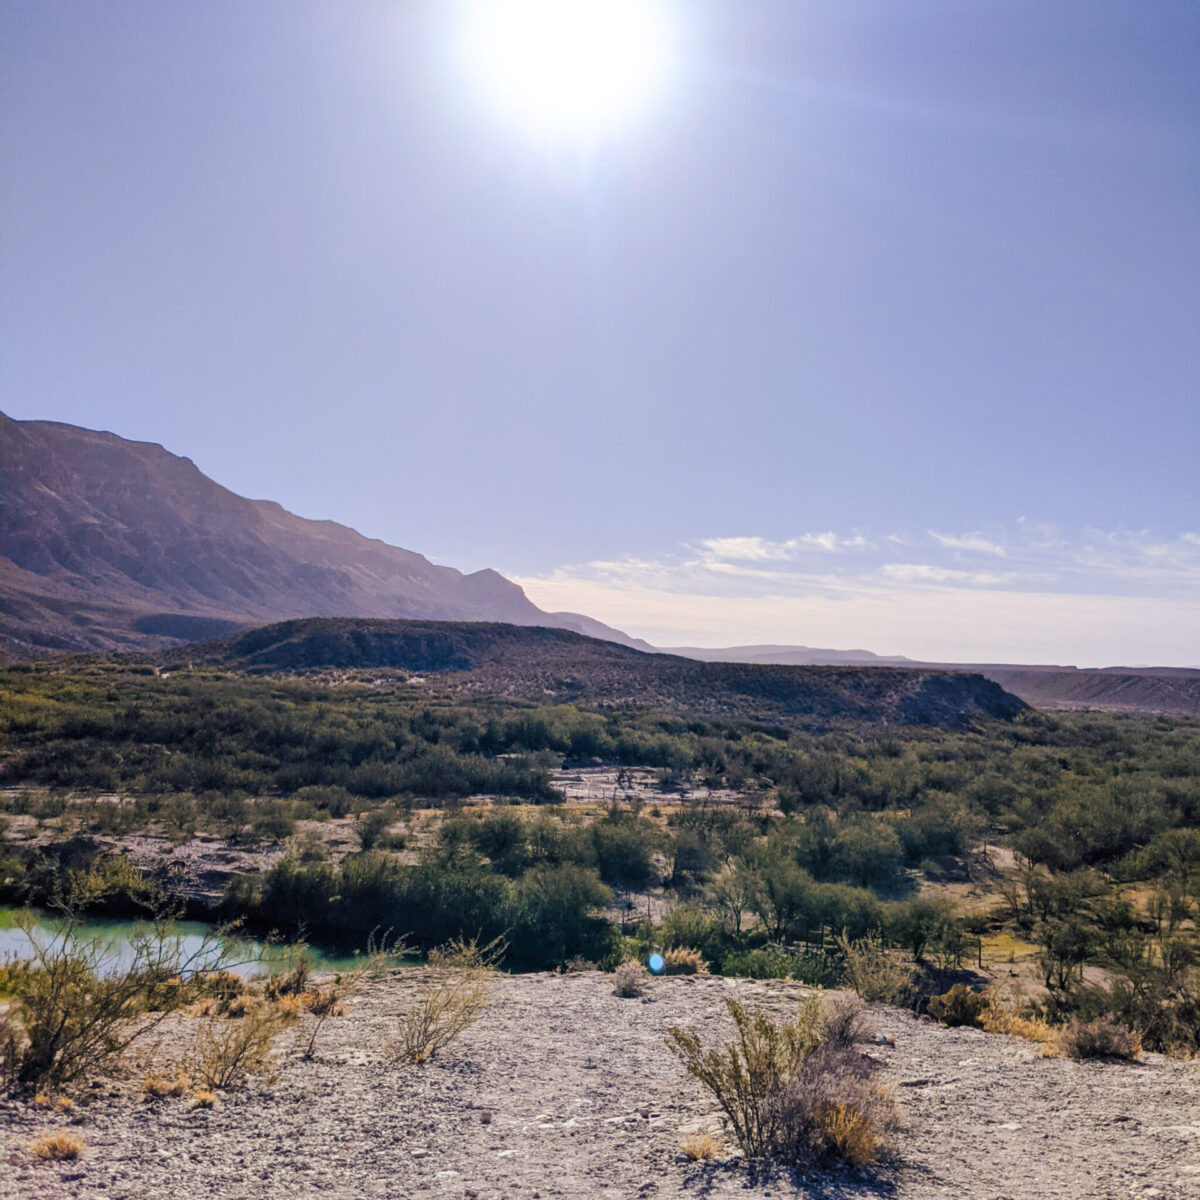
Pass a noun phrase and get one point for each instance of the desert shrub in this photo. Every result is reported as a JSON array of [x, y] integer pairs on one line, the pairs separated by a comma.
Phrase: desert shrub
[[748, 1075], [915, 923], [75, 1007], [457, 996], [1099, 1038], [700, 1147], [697, 926], [372, 825], [551, 917], [52, 1102], [815, 968], [797, 1090], [630, 979], [204, 1098], [763, 962], [227, 1051], [958, 1006], [876, 974], [57, 1147], [683, 960]]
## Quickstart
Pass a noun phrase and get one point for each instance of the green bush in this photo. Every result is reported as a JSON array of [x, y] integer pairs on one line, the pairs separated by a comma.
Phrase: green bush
[[958, 1006]]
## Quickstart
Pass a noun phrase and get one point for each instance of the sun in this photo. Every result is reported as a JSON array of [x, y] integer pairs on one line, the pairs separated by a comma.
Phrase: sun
[[568, 67]]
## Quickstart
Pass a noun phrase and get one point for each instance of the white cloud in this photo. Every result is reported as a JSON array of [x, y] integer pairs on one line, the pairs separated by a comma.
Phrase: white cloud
[[976, 543], [1094, 598], [758, 549], [924, 573]]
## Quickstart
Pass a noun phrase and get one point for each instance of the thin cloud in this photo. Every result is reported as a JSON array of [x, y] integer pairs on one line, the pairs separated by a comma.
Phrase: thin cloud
[[976, 543]]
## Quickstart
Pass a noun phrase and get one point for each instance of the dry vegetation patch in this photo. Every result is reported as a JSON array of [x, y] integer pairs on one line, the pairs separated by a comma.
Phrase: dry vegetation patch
[[57, 1147]]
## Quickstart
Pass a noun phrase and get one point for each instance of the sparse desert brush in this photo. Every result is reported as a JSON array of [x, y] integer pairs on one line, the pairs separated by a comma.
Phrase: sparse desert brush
[[325, 1002], [797, 1090], [460, 991], [959, 1006], [57, 1147], [163, 1085], [1101, 1038], [293, 983], [630, 979], [876, 974], [226, 1052], [48, 1101], [700, 1147], [683, 960], [204, 1098], [997, 1018], [73, 1008]]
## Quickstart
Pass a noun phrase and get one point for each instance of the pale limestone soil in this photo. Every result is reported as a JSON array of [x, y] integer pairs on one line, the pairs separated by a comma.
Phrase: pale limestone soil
[[564, 1090]]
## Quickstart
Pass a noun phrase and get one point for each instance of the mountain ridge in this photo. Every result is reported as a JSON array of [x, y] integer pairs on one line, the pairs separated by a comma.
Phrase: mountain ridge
[[109, 544]]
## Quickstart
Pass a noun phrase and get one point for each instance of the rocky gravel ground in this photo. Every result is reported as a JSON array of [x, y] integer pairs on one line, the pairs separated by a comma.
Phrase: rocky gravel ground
[[565, 1090]]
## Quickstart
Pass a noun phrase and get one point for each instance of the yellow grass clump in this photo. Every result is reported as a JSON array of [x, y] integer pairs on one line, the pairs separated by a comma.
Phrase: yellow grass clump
[[995, 1018], [683, 960], [161, 1085], [204, 1098], [853, 1133], [57, 1147], [700, 1147]]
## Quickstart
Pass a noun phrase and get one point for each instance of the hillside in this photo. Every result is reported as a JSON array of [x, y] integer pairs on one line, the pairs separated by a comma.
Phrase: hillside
[[1166, 691], [108, 544], [1172, 692], [537, 663]]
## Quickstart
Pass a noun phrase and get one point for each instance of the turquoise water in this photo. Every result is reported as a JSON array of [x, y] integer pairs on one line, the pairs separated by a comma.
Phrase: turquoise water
[[193, 942]]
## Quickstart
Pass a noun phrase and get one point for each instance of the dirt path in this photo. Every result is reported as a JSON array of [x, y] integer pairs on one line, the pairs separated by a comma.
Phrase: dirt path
[[564, 1090]]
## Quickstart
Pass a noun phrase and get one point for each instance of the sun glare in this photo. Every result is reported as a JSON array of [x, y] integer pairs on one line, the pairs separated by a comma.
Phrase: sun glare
[[568, 66]]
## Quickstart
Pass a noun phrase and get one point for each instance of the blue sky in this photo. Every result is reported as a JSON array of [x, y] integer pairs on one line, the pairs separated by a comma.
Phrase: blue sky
[[876, 326]]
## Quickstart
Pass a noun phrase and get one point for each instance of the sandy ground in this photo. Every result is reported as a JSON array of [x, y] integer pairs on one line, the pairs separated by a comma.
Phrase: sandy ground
[[565, 1090]]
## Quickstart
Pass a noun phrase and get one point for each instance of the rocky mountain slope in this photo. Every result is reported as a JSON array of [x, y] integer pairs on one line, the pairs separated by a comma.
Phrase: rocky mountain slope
[[563, 1091], [542, 664], [108, 544]]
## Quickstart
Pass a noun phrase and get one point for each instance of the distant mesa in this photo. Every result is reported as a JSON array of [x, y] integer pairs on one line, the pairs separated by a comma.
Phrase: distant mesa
[[558, 665]]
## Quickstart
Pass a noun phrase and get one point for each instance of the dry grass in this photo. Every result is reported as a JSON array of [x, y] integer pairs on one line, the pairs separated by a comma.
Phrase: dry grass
[[683, 960], [996, 1017], [700, 1147], [57, 1147], [204, 1098], [156, 1085], [49, 1102], [851, 1131]]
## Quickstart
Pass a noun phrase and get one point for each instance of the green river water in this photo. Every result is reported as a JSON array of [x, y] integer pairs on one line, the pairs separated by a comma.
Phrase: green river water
[[112, 938]]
